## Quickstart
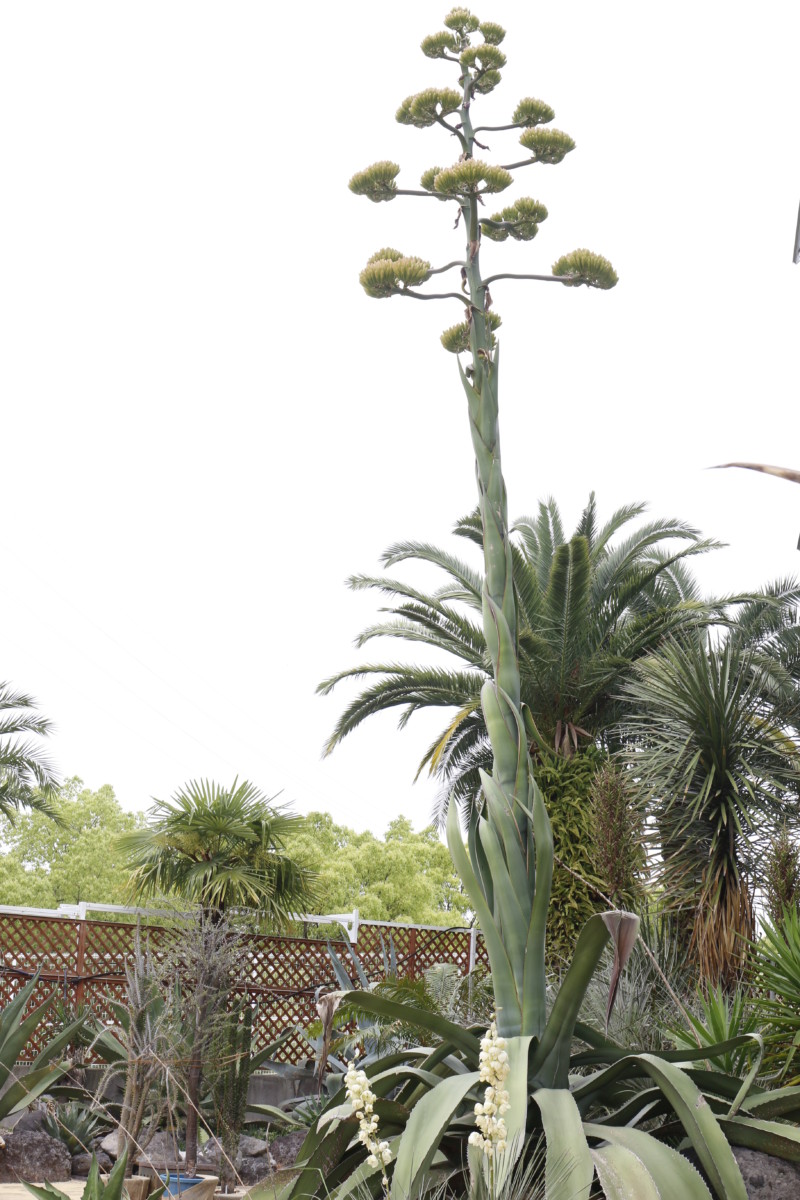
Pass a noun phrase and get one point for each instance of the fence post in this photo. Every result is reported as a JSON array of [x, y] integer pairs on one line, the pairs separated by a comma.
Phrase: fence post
[[412, 955], [473, 946], [80, 966]]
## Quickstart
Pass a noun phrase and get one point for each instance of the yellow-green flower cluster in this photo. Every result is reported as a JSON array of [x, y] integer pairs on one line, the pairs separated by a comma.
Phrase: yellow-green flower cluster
[[532, 112], [424, 108], [547, 145], [427, 178], [389, 271], [588, 268], [520, 220], [362, 1101], [376, 182], [462, 21], [456, 338], [466, 178], [494, 1069], [492, 32], [437, 45]]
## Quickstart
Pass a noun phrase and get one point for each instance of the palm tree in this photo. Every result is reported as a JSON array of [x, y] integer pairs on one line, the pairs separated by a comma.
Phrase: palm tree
[[220, 848], [26, 777], [588, 607], [711, 733]]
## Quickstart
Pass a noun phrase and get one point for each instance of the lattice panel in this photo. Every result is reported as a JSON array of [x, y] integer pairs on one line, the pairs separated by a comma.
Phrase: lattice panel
[[89, 958], [38, 944]]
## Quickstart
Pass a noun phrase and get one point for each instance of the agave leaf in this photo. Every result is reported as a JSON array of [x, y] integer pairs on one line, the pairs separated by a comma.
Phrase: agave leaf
[[276, 1114], [45, 1191], [112, 1190], [264, 1055], [783, 1102], [380, 1006], [518, 1050], [568, 1165], [623, 1176], [12, 1013], [670, 1171], [16, 1038], [323, 1149], [771, 1137], [424, 1130], [23, 1091]]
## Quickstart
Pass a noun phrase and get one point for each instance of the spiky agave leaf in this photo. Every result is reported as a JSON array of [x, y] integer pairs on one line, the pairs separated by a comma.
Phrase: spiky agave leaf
[[462, 21], [384, 277], [519, 220], [530, 112], [466, 178], [376, 182], [456, 338], [493, 33], [548, 146], [424, 108], [437, 45], [588, 268]]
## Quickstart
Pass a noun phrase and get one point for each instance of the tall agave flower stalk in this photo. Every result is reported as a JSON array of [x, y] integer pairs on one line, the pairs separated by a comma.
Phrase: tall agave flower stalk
[[508, 869]]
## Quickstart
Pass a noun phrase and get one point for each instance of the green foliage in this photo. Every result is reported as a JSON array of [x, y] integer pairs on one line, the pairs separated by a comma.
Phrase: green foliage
[[407, 876], [549, 146], [781, 875], [384, 277], [219, 847], [591, 270], [578, 632], [710, 749], [27, 779], [617, 836], [722, 1017], [72, 859], [75, 1125], [376, 182], [229, 1083], [95, 1188], [775, 964], [17, 1026], [566, 785]]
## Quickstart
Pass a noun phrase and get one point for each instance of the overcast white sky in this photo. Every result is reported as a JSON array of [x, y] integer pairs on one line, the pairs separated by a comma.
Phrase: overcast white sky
[[207, 425]]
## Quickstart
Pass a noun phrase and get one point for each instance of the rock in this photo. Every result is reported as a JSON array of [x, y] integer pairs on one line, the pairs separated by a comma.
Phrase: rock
[[209, 1155], [250, 1147], [108, 1144], [33, 1119], [35, 1157], [768, 1177], [285, 1149], [82, 1162], [159, 1152], [252, 1169]]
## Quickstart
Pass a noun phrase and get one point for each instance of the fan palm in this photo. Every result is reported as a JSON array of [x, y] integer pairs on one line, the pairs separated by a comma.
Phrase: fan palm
[[587, 608], [220, 848], [26, 777], [711, 734]]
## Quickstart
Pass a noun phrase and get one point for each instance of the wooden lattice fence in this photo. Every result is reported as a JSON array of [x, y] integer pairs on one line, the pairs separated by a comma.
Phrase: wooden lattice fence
[[85, 960]]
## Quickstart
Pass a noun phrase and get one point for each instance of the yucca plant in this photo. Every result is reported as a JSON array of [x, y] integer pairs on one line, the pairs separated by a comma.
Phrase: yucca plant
[[587, 1104]]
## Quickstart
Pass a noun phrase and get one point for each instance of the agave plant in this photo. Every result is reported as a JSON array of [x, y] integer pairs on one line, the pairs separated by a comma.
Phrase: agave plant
[[95, 1187], [16, 1031], [75, 1125], [589, 1105]]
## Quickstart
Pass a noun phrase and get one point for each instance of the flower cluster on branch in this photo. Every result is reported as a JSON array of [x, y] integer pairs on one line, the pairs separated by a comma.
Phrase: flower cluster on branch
[[362, 1101], [494, 1068]]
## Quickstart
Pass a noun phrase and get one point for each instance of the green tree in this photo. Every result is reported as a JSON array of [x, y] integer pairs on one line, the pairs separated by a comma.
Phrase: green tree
[[220, 848], [719, 767], [587, 607], [406, 877], [75, 858], [27, 779]]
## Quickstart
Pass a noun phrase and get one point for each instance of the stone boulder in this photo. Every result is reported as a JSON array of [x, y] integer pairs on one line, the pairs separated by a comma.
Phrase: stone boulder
[[159, 1152], [250, 1147], [253, 1168], [285, 1149], [82, 1162], [32, 1119], [108, 1144], [35, 1157], [768, 1178]]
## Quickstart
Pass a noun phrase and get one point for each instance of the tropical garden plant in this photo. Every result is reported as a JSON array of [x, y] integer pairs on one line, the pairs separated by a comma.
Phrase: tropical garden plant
[[424, 1102], [20, 1021], [27, 779]]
